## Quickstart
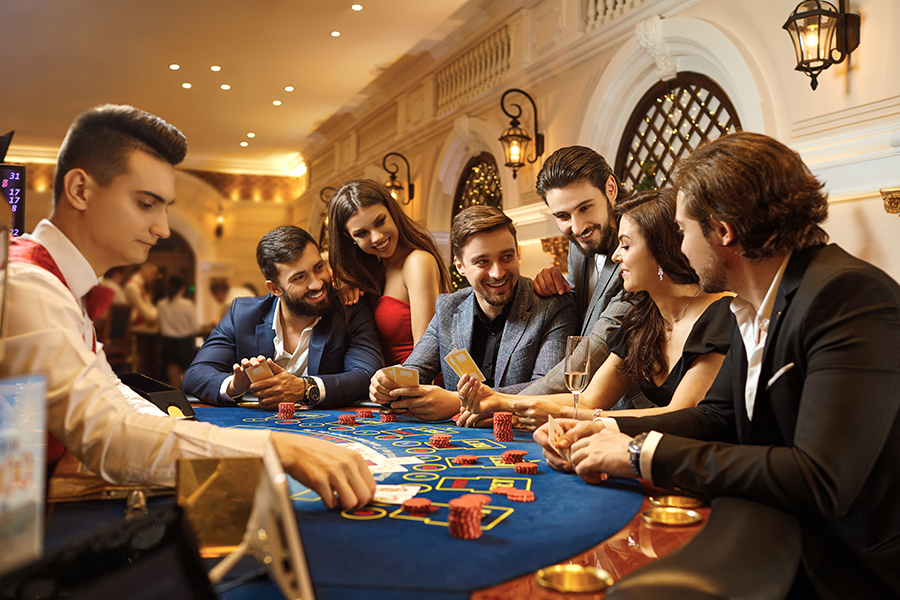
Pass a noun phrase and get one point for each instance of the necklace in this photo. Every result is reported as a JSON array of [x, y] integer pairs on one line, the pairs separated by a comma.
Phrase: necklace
[[670, 326]]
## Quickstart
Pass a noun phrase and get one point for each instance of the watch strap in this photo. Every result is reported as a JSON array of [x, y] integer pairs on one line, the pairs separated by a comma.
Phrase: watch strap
[[634, 452]]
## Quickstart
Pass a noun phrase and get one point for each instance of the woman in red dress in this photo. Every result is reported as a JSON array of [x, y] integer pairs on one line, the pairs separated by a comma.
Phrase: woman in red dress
[[375, 249]]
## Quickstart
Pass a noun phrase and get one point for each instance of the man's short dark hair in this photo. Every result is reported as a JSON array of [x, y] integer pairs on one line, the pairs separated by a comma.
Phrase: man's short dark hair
[[570, 165], [282, 245], [760, 187], [474, 220], [101, 139]]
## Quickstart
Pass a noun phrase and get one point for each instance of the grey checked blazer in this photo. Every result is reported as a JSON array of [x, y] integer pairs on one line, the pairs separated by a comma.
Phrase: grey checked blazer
[[534, 337], [601, 316]]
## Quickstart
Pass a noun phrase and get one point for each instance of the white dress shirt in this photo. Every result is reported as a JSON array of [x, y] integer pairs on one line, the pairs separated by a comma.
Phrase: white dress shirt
[[177, 317], [115, 432]]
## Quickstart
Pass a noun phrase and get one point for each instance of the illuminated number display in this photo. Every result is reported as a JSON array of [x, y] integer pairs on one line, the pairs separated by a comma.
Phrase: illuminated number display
[[12, 189]]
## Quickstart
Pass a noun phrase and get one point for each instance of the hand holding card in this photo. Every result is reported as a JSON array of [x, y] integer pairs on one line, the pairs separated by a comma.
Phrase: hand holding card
[[462, 364], [556, 434], [259, 371]]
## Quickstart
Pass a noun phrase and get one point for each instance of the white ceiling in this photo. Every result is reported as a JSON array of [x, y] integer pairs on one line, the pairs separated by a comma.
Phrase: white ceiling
[[60, 57]]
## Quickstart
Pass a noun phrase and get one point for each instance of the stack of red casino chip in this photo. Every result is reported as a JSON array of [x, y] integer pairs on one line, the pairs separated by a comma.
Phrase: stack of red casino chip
[[526, 468], [465, 459], [479, 499], [456, 417], [503, 427], [440, 440], [417, 506], [347, 419], [502, 489], [465, 519], [388, 418], [364, 413], [512, 456], [285, 410], [521, 496]]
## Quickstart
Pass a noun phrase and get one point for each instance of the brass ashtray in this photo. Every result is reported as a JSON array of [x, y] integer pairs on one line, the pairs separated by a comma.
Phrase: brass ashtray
[[675, 501], [672, 516], [573, 578]]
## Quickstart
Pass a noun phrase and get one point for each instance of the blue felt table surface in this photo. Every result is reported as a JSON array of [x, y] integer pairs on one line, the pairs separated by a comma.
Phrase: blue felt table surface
[[384, 552]]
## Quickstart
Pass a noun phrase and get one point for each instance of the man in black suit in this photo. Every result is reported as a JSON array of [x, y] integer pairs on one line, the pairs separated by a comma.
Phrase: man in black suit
[[804, 413]]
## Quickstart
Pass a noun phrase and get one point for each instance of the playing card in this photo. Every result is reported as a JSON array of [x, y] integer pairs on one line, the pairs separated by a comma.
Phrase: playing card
[[556, 434], [259, 372], [391, 372], [465, 364], [452, 362], [406, 377], [395, 494]]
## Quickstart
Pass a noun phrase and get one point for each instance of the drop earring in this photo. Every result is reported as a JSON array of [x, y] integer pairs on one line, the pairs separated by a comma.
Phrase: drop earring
[[660, 273]]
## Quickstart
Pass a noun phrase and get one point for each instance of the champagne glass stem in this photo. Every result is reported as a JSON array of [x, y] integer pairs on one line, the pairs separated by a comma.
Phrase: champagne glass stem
[[575, 397]]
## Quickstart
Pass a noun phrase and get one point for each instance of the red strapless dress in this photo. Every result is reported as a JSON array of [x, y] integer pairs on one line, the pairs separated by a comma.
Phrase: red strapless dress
[[394, 324]]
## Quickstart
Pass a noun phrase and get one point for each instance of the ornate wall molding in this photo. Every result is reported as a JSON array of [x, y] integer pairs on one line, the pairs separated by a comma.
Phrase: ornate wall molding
[[648, 34]]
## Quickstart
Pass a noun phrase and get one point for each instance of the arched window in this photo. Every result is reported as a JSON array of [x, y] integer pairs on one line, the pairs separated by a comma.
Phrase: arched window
[[479, 185], [670, 121]]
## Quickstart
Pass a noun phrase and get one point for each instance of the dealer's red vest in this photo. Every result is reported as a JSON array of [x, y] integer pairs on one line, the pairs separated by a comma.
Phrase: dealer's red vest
[[32, 253]]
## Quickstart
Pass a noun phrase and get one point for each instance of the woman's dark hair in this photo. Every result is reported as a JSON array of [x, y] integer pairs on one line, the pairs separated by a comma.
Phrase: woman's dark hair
[[643, 327], [352, 266]]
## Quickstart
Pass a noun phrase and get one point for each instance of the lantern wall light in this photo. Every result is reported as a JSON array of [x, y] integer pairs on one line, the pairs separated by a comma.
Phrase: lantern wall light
[[515, 139], [395, 187], [822, 35]]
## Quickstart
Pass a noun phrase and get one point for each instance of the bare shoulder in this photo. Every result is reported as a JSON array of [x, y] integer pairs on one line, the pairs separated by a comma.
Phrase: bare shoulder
[[418, 263]]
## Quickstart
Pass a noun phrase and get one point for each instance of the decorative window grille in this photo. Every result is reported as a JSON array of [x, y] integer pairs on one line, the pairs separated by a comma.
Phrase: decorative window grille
[[479, 185], [670, 121]]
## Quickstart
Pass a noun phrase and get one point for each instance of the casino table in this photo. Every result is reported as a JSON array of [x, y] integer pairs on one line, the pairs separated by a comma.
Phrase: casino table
[[382, 551]]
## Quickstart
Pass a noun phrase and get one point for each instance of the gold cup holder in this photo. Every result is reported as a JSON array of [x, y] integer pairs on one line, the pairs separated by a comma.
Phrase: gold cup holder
[[573, 578]]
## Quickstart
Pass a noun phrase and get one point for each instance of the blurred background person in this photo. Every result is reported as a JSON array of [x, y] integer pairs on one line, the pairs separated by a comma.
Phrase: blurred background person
[[178, 327]]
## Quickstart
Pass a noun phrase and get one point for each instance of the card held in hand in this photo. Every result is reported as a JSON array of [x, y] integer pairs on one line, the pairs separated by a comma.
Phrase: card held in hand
[[463, 364], [259, 372]]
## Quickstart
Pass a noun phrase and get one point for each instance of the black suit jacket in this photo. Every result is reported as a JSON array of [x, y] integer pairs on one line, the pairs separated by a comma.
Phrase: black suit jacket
[[824, 442], [343, 350]]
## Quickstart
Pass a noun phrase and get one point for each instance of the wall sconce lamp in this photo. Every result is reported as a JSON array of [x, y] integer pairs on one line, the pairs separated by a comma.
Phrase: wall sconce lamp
[[515, 139], [325, 194], [822, 35], [395, 187], [220, 222]]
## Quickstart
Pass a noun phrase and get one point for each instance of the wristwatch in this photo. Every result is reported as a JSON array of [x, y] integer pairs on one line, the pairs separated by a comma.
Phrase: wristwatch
[[312, 391], [634, 452]]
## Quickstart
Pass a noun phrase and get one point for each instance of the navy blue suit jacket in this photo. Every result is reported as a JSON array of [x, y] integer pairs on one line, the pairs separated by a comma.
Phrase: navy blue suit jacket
[[343, 351]]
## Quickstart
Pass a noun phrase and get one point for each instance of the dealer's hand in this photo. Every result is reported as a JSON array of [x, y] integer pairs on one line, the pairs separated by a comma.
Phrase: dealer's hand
[[280, 387], [605, 451], [477, 398], [240, 383], [533, 413], [550, 282], [573, 430], [426, 402], [327, 469], [380, 387]]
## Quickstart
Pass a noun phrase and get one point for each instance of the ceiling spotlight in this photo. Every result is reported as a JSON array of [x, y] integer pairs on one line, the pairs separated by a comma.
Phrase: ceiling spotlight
[[251, 135], [225, 86], [276, 102], [186, 86], [335, 34], [289, 88], [174, 66], [356, 7], [244, 144], [216, 68]]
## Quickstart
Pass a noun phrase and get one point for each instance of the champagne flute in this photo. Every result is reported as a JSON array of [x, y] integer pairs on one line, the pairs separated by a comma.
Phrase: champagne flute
[[578, 362]]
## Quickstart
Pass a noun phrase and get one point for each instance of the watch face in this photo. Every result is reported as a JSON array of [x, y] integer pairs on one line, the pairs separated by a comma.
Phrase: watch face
[[312, 390]]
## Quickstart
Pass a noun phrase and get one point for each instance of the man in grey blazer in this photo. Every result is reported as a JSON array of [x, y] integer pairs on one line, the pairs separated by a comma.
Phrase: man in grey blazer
[[580, 190], [513, 335]]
